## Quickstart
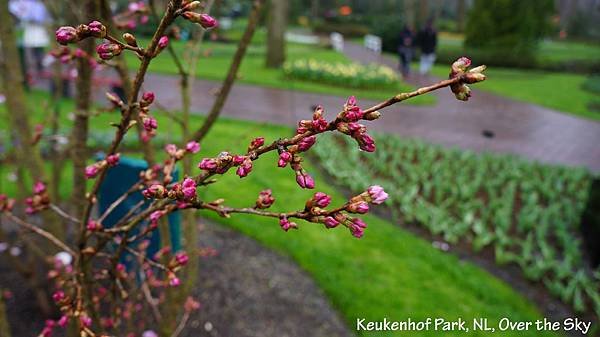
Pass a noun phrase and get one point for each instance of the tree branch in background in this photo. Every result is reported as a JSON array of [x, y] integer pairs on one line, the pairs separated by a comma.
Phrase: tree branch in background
[[215, 111]]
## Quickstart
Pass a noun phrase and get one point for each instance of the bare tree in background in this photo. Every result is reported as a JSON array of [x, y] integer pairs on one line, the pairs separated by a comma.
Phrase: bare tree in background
[[276, 25]]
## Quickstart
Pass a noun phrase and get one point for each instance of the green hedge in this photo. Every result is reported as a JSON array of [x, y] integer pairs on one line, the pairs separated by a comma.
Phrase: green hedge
[[528, 213]]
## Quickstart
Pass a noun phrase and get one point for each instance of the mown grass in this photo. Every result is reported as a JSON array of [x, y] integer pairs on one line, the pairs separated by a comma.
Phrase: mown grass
[[389, 273]]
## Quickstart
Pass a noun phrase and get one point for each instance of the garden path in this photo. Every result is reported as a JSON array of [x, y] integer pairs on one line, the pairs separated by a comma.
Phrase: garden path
[[527, 130]]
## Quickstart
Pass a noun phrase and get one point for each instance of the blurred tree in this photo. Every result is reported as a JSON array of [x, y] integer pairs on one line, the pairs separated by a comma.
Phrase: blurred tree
[[409, 13], [513, 25], [461, 10], [276, 25], [423, 13]]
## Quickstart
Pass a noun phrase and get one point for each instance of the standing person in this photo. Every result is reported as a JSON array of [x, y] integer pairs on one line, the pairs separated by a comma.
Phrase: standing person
[[427, 41], [405, 49]]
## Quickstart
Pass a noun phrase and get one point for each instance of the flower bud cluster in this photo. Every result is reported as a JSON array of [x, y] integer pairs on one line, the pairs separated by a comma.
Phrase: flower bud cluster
[[204, 20], [6, 204], [39, 201], [149, 123], [136, 13], [92, 171], [459, 69], [68, 34], [265, 199], [224, 161]]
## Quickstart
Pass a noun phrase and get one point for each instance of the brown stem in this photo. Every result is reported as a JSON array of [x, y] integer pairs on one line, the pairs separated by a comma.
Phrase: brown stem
[[47, 235]]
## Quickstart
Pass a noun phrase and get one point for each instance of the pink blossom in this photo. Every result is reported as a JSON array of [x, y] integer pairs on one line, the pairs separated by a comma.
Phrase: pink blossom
[[182, 258], [304, 180], [205, 20], [319, 124], [284, 158], [149, 333], [171, 149], [192, 147], [191, 304], [208, 164], [113, 159], [85, 321], [330, 222], [377, 194], [144, 19], [92, 171], [238, 160], [66, 35], [155, 191], [366, 142]]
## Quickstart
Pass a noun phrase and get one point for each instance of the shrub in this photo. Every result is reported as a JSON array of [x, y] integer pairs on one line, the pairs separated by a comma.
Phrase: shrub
[[351, 75]]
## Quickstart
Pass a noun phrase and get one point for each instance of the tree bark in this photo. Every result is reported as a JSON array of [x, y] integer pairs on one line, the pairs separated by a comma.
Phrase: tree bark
[[28, 157], [79, 134], [276, 25]]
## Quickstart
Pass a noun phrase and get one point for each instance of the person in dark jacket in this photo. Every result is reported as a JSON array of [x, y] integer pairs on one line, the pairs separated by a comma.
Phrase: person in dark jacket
[[427, 41], [405, 49]]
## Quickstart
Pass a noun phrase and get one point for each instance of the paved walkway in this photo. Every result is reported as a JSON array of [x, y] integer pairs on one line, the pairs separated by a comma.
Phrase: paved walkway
[[524, 129]]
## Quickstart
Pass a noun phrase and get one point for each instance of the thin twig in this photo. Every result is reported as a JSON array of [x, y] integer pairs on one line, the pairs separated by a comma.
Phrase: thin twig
[[40, 232], [64, 214]]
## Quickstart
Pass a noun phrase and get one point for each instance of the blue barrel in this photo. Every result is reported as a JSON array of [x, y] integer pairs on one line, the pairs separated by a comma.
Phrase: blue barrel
[[118, 181]]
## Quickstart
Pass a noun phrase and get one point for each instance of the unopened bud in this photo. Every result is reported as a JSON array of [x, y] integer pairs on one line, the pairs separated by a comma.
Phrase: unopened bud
[[130, 39]]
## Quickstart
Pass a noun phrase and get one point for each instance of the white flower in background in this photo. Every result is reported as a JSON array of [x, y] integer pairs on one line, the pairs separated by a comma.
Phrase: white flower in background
[[64, 258]]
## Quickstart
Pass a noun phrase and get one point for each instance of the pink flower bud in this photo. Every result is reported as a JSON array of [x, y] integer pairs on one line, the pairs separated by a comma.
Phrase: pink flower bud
[[97, 29], [148, 97], [154, 216], [191, 304], [245, 168], [366, 142], [113, 159], [150, 123], [93, 226], [377, 194], [174, 281], [85, 321], [91, 171], [357, 228], [321, 199], [304, 180], [284, 158], [63, 321], [286, 224], [107, 50], [360, 207], [66, 35], [39, 187], [265, 199], [58, 296], [192, 147], [205, 20], [189, 188], [330, 222], [163, 42], [208, 164], [257, 142], [182, 258], [307, 143]]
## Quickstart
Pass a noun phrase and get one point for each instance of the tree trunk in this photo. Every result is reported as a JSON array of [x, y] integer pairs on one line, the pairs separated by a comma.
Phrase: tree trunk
[[79, 134], [461, 9], [409, 13], [423, 13], [276, 25], [28, 157]]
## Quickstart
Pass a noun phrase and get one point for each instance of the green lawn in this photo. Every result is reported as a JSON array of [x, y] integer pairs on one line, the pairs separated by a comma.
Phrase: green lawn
[[389, 273], [558, 91], [216, 58]]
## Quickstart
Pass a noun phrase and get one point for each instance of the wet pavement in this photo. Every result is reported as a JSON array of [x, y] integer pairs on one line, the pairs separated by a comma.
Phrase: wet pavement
[[527, 130]]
